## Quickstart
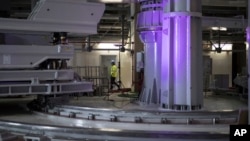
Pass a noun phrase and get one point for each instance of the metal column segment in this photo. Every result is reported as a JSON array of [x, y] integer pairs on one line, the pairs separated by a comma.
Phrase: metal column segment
[[152, 47], [173, 53], [149, 26], [182, 46], [167, 80]]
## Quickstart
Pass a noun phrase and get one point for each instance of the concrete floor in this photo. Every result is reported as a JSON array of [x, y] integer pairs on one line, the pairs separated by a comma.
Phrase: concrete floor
[[13, 109], [114, 101]]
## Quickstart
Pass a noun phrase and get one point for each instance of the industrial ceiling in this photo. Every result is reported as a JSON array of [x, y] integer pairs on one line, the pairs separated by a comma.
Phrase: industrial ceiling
[[109, 28]]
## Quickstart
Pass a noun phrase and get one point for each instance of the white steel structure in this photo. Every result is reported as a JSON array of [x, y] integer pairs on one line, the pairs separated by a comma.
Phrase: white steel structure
[[37, 69]]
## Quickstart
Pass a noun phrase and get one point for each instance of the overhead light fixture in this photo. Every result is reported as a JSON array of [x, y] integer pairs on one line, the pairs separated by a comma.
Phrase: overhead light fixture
[[107, 46], [219, 28], [224, 47]]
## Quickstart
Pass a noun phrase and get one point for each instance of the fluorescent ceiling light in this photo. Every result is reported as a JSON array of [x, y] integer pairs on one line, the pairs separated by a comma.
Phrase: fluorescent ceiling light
[[223, 46], [219, 28], [107, 46]]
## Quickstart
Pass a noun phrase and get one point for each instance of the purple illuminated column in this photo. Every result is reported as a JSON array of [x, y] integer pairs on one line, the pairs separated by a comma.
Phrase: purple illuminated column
[[171, 33], [181, 55], [149, 27], [152, 48]]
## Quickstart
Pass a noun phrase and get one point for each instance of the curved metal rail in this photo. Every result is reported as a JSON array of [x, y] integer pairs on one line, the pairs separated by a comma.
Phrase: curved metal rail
[[56, 133], [152, 117]]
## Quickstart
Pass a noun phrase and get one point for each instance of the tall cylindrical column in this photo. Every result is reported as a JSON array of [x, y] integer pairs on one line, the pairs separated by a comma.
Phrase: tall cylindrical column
[[149, 27], [171, 33], [152, 49], [183, 61], [167, 75]]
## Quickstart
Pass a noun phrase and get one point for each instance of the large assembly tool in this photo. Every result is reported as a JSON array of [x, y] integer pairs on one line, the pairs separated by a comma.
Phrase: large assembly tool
[[42, 69]]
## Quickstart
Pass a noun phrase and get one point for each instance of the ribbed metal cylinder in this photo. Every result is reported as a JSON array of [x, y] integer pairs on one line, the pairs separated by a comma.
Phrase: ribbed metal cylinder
[[149, 27], [171, 33], [152, 49]]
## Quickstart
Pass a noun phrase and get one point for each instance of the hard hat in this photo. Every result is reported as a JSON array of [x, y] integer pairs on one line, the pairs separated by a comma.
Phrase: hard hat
[[112, 61]]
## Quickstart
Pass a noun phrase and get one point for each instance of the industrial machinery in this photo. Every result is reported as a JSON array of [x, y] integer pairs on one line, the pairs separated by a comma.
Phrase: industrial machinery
[[172, 78], [172, 74], [35, 69]]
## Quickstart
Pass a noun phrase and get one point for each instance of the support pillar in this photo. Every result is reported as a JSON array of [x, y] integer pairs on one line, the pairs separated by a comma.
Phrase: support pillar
[[182, 44], [171, 32], [149, 26], [152, 51]]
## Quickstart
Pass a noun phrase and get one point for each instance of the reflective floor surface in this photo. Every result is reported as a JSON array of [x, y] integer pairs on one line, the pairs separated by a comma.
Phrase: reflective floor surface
[[14, 109]]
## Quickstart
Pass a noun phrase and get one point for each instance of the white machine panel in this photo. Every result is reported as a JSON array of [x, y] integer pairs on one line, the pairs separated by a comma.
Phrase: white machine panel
[[23, 67], [65, 11], [26, 56], [72, 16], [36, 75]]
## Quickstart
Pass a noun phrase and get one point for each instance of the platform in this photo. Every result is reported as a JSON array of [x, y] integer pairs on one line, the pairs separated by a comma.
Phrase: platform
[[14, 109]]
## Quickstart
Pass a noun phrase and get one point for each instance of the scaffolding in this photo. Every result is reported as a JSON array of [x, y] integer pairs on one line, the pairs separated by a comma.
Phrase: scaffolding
[[98, 75]]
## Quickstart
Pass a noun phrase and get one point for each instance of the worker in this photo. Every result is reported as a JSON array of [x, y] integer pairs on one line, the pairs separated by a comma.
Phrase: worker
[[113, 75]]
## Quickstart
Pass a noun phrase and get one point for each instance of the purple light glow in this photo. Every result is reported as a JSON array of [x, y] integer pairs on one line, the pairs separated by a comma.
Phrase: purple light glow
[[180, 60], [188, 42], [152, 58], [248, 34], [170, 62]]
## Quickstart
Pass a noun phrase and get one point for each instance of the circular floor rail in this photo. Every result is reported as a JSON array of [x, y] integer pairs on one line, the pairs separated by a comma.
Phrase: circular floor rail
[[56, 133], [152, 117]]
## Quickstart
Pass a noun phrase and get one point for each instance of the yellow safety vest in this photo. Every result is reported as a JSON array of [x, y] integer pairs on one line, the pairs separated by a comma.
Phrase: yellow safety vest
[[114, 71]]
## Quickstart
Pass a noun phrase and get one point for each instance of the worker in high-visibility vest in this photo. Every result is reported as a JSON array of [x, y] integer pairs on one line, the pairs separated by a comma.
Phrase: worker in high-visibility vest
[[113, 75]]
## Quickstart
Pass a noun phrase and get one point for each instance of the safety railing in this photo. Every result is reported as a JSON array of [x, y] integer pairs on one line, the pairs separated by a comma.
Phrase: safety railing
[[97, 74]]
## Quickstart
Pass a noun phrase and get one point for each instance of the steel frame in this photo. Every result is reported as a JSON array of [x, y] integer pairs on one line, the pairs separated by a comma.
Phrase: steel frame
[[45, 89]]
